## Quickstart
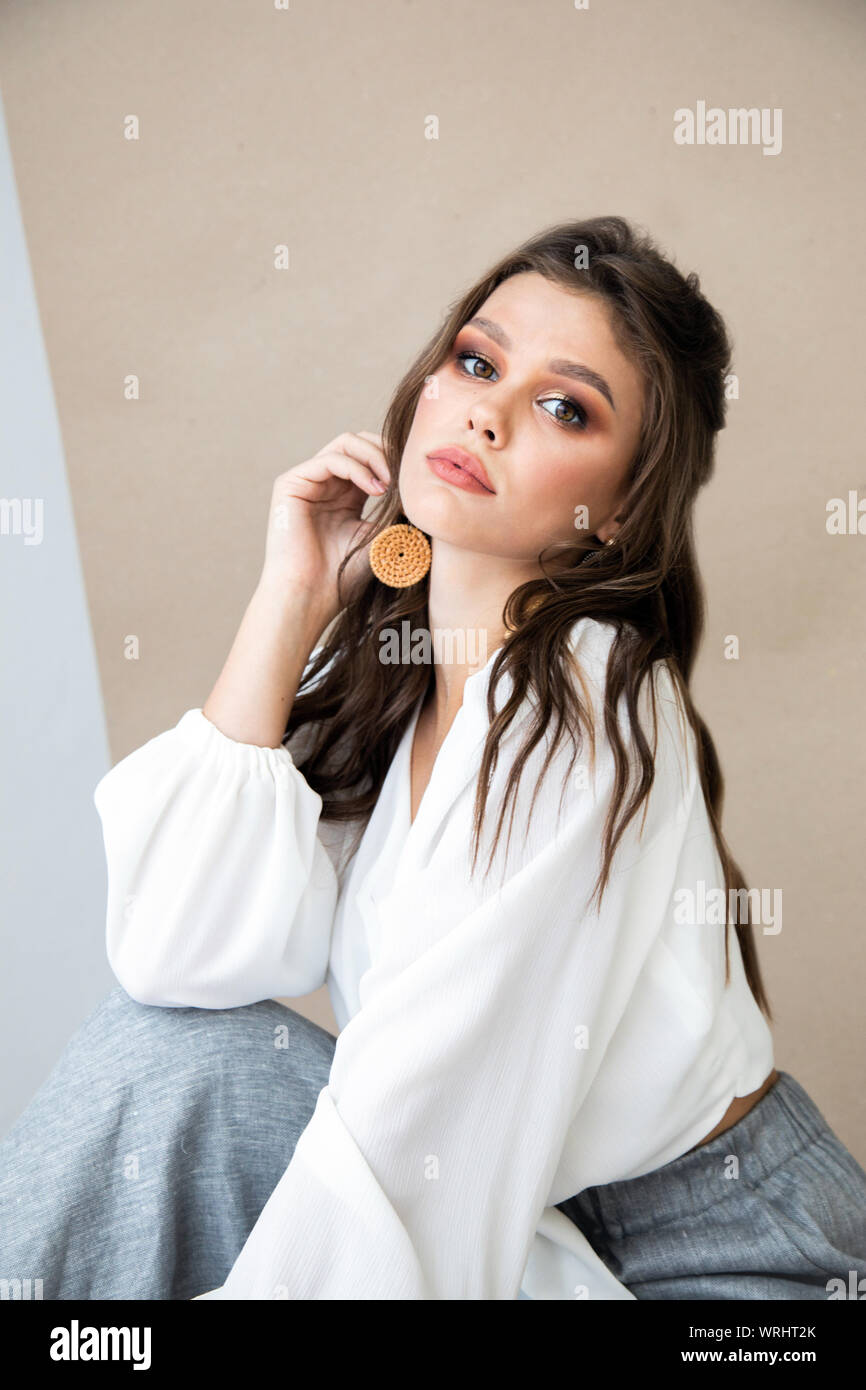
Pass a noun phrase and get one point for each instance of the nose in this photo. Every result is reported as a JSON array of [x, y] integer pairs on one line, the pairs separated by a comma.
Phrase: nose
[[479, 423]]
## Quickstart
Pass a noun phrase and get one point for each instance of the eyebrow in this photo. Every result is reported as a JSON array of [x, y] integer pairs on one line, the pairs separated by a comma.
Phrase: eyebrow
[[559, 365]]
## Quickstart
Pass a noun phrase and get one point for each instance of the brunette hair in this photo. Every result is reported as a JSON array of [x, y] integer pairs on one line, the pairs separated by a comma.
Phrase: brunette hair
[[647, 584]]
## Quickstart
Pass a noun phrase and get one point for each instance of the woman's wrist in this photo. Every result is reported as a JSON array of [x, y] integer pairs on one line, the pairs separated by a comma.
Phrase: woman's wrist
[[293, 599], [253, 697]]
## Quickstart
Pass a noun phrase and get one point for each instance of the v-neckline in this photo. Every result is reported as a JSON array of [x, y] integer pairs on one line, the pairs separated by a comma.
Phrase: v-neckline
[[416, 719], [409, 841], [406, 779], [408, 823]]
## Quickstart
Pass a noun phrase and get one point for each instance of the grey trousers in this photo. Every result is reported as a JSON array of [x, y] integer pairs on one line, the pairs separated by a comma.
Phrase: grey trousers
[[141, 1165]]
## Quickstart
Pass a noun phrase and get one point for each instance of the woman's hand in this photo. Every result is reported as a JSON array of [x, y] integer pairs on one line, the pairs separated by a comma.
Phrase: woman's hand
[[315, 517]]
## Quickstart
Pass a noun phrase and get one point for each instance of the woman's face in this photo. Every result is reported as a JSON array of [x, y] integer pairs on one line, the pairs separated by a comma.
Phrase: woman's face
[[552, 439]]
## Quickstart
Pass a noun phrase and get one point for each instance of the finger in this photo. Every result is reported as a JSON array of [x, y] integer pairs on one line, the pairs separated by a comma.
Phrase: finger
[[340, 465], [365, 449]]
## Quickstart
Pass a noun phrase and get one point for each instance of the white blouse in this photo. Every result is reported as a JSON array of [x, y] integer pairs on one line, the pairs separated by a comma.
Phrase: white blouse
[[501, 1047]]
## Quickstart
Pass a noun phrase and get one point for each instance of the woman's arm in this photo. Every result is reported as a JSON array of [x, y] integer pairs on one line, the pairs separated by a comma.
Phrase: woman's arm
[[253, 697], [315, 514], [220, 890]]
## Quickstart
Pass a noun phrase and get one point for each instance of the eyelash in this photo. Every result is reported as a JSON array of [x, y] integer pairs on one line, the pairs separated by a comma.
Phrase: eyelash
[[579, 424]]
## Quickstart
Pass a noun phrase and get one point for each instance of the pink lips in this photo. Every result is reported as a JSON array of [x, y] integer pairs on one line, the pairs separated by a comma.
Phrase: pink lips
[[461, 468]]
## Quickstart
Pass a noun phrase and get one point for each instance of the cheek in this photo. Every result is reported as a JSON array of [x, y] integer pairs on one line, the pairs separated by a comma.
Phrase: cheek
[[558, 490], [589, 466], [426, 408], [552, 476]]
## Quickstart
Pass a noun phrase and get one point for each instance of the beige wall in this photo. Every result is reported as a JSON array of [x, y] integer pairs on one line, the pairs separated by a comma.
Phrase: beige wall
[[261, 126]]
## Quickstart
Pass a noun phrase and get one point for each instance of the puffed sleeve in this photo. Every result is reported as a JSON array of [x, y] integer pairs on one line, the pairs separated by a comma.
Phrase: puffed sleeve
[[429, 1158], [220, 890]]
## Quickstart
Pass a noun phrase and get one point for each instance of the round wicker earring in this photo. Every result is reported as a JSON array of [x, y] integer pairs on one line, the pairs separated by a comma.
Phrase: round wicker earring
[[400, 555]]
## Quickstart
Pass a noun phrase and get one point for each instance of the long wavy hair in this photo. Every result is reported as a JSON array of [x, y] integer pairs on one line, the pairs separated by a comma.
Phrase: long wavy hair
[[647, 584]]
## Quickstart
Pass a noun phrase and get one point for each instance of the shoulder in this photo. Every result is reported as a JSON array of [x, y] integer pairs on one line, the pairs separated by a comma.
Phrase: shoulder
[[660, 706], [591, 643]]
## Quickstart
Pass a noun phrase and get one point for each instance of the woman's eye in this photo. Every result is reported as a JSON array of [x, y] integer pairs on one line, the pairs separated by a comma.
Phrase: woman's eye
[[576, 419], [474, 357]]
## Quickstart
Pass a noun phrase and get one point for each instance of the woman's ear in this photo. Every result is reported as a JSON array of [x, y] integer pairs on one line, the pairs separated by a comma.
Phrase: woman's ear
[[610, 530]]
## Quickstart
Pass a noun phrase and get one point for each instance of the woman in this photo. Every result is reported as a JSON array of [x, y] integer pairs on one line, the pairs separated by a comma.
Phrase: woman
[[554, 1076]]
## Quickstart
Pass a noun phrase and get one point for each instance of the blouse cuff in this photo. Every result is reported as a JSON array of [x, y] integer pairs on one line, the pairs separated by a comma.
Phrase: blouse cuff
[[204, 736]]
